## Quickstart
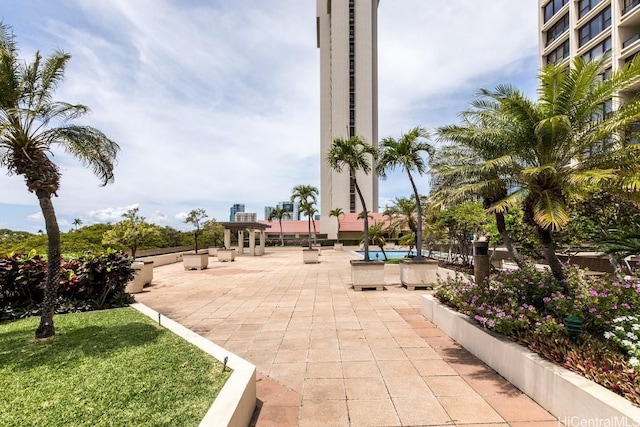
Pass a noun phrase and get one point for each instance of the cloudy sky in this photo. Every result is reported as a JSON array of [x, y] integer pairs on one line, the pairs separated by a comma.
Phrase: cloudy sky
[[216, 102]]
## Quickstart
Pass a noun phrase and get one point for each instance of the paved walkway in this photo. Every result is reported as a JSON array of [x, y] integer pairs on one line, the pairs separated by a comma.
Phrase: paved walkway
[[329, 356]]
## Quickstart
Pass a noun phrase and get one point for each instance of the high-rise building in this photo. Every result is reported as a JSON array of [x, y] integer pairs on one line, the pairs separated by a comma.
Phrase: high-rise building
[[290, 207], [245, 217], [238, 207], [589, 28], [347, 38]]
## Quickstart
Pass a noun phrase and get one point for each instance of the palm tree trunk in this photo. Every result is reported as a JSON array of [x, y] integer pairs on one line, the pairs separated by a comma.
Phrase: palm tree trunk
[[46, 328], [546, 241], [366, 219], [309, 232], [281, 234], [508, 243], [419, 225]]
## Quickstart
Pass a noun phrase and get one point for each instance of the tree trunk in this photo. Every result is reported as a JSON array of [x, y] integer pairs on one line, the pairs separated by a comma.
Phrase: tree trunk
[[419, 212], [546, 241], [46, 328], [366, 219], [617, 270], [513, 252], [309, 232], [281, 234]]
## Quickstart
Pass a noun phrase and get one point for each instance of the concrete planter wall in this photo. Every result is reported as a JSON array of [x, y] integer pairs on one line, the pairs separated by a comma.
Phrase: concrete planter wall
[[337, 246], [165, 259], [198, 261], [418, 274], [236, 401], [147, 272], [135, 286], [226, 255], [563, 393], [367, 275], [310, 256]]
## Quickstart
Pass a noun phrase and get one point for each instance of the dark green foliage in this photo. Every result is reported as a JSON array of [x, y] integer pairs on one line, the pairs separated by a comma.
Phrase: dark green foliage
[[91, 282]]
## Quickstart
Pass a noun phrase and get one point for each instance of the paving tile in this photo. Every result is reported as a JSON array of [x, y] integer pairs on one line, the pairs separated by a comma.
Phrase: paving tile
[[357, 353], [389, 354], [324, 370], [360, 369], [372, 413], [469, 409], [421, 412], [366, 388], [430, 367], [491, 383], [518, 407], [408, 387], [448, 385], [323, 389], [324, 355], [287, 356], [420, 353], [396, 368]]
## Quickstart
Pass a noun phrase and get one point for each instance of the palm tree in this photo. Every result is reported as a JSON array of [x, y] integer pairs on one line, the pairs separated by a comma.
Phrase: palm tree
[[307, 197], [337, 212], [404, 209], [356, 155], [545, 142], [279, 213], [376, 237], [77, 222], [28, 135], [406, 153]]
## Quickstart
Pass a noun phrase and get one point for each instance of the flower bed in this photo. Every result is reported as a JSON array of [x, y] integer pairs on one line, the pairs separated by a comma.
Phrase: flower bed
[[531, 308]]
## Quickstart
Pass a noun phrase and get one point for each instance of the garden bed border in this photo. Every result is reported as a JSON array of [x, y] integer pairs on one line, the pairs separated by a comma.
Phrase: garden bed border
[[236, 402], [567, 395]]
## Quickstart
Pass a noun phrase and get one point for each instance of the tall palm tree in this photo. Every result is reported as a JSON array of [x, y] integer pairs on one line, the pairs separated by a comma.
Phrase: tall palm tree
[[406, 153], [307, 197], [77, 223], [279, 213], [28, 134], [356, 155], [545, 143], [337, 212]]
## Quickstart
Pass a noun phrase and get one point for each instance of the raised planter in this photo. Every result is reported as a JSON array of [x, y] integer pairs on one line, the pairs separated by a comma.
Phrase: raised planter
[[236, 402], [137, 283], [226, 255], [367, 275], [418, 273], [568, 396], [193, 261], [147, 272], [337, 246], [310, 256], [213, 251]]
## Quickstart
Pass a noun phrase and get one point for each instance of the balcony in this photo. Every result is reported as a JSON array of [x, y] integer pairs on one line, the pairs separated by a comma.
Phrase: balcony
[[630, 6], [631, 40]]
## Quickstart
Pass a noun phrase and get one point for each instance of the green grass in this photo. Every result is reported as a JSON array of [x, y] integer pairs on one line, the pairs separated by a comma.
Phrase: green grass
[[104, 368]]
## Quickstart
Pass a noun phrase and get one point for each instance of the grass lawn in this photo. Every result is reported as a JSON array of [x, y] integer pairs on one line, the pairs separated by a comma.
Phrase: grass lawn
[[104, 368]]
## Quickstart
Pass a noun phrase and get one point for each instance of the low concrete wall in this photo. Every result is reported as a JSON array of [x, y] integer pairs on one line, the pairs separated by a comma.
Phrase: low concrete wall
[[159, 260], [565, 394], [236, 402]]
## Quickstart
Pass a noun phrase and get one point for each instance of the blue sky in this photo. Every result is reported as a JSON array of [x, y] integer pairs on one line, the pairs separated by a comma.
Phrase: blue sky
[[217, 102]]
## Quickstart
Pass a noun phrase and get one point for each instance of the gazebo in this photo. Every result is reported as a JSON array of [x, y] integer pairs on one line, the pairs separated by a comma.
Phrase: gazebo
[[240, 228]]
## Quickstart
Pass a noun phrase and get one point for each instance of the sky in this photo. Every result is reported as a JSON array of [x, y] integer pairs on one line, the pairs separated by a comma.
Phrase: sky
[[216, 102]]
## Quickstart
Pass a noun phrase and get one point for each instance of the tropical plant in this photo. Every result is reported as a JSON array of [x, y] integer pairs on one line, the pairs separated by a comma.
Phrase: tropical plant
[[77, 223], [132, 232], [356, 155], [376, 237], [213, 232], [558, 148], [337, 212], [403, 214], [307, 197], [279, 213], [195, 217], [406, 153], [28, 135]]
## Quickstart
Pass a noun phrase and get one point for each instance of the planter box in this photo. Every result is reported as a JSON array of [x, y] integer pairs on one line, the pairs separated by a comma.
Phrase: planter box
[[135, 286], [565, 394], [418, 274], [337, 246], [236, 402], [310, 256], [225, 255], [198, 261], [367, 275], [147, 272], [213, 251]]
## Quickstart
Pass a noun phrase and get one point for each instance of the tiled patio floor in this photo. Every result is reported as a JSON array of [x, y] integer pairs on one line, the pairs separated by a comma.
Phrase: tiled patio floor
[[327, 355]]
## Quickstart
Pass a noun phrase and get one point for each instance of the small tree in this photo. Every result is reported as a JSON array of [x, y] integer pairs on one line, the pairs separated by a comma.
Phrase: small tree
[[195, 217], [132, 232], [376, 237], [306, 195], [213, 232], [337, 212], [279, 214]]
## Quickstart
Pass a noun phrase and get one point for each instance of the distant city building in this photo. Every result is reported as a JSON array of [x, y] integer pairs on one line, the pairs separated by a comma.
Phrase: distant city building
[[347, 32], [267, 212], [245, 217], [291, 207], [238, 207]]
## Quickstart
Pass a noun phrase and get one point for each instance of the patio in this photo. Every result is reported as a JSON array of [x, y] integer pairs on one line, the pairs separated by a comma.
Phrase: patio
[[327, 355]]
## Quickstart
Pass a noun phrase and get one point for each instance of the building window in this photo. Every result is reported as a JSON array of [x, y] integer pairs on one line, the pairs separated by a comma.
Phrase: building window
[[558, 29], [629, 4], [598, 50], [594, 27], [560, 53], [586, 6], [552, 8]]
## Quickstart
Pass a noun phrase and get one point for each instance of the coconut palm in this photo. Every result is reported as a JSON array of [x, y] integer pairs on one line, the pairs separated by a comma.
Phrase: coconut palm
[[307, 197], [337, 212], [376, 237], [77, 223], [28, 134], [404, 209], [543, 159], [279, 213], [406, 153], [356, 155]]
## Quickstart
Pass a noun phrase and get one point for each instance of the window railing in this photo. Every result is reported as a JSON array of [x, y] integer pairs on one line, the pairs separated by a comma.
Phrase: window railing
[[630, 6], [631, 40]]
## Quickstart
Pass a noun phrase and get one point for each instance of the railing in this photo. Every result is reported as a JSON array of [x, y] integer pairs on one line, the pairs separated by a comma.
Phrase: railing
[[632, 39], [630, 6]]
